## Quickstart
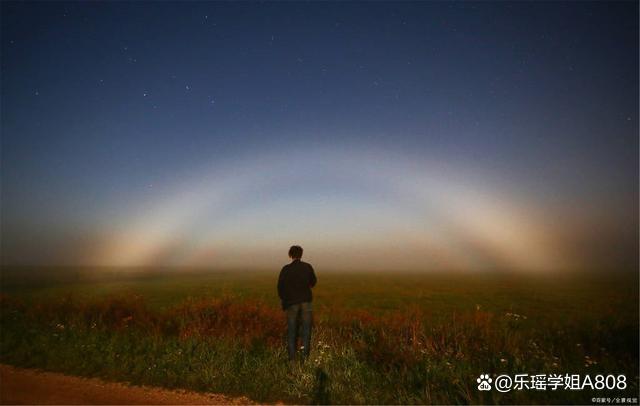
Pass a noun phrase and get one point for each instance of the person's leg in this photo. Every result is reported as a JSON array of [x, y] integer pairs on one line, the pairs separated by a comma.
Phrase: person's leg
[[307, 321], [292, 330]]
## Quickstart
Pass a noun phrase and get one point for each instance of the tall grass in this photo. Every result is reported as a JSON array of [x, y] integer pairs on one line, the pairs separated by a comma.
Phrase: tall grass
[[236, 346]]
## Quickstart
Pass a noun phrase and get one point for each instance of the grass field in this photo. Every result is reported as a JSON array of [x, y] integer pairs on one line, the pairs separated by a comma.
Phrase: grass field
[[378, 337]]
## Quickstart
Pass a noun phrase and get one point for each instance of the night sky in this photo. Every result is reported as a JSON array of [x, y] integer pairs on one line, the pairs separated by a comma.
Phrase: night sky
[[421, 136]]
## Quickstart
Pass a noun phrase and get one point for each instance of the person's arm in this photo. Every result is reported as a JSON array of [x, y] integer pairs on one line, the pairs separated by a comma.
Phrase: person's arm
[[312, 277], [280, 283]]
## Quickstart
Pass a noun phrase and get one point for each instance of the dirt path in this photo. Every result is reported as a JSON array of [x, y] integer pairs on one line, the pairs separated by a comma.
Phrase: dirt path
[[27, 386]]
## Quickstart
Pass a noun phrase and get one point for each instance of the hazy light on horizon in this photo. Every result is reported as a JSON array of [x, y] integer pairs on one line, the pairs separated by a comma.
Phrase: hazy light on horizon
[[351, 210]]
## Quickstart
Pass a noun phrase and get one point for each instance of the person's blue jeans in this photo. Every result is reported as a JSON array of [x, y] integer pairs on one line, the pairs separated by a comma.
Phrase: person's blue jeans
[[298, 314]]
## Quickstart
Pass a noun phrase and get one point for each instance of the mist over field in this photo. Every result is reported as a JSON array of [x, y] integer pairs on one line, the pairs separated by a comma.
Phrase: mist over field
[[352, 210]]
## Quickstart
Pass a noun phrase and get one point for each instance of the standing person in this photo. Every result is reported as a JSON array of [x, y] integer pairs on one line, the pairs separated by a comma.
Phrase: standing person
[[294, 289]]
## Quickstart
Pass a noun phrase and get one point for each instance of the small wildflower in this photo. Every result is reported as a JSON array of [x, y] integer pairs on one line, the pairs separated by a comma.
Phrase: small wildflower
[[589, 361], [515, 316]]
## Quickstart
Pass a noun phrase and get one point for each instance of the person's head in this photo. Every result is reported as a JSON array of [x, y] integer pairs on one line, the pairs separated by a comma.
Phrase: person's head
[[295, 252]]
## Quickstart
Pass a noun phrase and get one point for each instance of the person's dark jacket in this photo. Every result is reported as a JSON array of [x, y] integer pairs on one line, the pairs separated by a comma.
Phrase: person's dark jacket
[[295, 283]]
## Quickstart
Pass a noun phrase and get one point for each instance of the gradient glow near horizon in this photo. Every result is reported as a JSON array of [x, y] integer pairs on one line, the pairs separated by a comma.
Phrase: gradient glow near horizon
[[379, 136]]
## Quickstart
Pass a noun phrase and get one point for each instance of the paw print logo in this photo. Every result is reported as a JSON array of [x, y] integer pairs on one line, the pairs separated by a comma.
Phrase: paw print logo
[[484, 382]]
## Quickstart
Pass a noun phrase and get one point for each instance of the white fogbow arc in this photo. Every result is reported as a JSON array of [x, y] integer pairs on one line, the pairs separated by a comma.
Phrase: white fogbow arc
[[350, 206]]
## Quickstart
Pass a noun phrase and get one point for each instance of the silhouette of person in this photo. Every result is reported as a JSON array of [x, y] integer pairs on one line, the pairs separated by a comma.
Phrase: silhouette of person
[[294, 289]]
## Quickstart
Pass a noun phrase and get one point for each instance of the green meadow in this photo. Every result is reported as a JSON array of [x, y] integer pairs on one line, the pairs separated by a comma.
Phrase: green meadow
[[378, 338]]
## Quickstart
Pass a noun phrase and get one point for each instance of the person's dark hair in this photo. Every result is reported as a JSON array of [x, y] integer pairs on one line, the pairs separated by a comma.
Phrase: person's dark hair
[[295, 252]]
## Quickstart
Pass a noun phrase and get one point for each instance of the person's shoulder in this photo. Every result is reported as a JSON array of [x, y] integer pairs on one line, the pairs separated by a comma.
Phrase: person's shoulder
[[306, 264]]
